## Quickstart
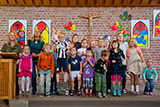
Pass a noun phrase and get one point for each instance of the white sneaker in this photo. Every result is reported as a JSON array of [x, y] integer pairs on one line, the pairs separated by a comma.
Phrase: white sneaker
[[124, 91], [66, 92]]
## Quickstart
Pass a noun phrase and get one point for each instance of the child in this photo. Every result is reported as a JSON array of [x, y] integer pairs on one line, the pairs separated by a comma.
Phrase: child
[[88, 72], [46, 69], [116, 58], [93, 45], [25, 69], [101, 67], [148, 77], [75, 41], [75, 70], [62, 47], [123, 47], [54, 52], [134, 58], [82, 50], [71, 45]]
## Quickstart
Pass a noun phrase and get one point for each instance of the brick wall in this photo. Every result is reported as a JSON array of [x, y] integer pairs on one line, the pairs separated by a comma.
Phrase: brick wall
[[61, 16]]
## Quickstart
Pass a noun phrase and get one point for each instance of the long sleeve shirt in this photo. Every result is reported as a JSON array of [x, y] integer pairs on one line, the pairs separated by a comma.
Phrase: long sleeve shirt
[[46, 62], [148, 73]]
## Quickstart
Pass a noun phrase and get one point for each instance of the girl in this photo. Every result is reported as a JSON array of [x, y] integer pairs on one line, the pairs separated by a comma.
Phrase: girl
[[25, 69], [123, 47], [116, 58], [75, 41], [134, 65]]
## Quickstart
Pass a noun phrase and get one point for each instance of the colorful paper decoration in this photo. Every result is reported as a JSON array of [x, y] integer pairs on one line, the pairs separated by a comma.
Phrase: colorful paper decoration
[[44, 26], [67, 39], [140, 31], [125, 16], [116, 26], [70, 27], [106, 36], [19, 28], [156, 21]]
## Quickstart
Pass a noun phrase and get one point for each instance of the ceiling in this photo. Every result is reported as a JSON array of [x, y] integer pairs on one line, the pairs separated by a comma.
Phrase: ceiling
[[81, 3]]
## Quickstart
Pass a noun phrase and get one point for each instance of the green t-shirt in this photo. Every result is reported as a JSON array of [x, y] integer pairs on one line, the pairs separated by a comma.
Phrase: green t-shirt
[[148, 73]]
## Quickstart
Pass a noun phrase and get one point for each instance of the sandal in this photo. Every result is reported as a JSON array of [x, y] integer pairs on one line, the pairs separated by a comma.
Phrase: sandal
[[72, 93], [79, 92]]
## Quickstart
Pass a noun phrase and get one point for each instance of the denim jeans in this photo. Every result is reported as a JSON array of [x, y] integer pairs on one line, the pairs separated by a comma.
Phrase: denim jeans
[[150, 85], [34, 83]]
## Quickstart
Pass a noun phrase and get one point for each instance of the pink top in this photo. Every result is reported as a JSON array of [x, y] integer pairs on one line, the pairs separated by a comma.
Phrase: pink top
[[138, 51]]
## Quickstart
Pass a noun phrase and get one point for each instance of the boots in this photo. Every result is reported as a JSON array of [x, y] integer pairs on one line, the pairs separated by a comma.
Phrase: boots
[[119, 90], [114, 90]]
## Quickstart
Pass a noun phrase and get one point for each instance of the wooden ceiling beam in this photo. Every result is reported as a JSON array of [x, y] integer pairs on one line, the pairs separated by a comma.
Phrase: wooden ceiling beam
[[81, 3], [108, 3], [136, 2], [46, 2], [145, 2], [99, 3], [20, 2], [118, 3], [37, 2], [90, 3], [154, 2], [127, 2], [63, 3], [28, 2], [4, 2], [54, 3], [11, 2], [73, 3]]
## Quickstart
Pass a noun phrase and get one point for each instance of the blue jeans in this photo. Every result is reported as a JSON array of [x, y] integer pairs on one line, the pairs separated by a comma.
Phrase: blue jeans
[[150, 85], [34, 83]]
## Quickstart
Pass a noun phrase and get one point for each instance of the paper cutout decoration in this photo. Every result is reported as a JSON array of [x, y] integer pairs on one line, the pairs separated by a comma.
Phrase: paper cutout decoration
[[125, 16], [67, 39], [70, 27], [44, 26], [19, 28], [116, 26], [156, 21], [140, 31], [106, 36]]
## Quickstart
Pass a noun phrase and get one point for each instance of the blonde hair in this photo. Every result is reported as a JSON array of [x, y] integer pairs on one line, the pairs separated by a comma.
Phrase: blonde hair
[[26, 46], [61, 33], [33, 36], [135, 42], [45, 45], [15, 40], [117, 37]]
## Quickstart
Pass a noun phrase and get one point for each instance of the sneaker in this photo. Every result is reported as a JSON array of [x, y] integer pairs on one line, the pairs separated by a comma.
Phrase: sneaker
[[137, 92], [124, 91], [42, 95], [132, 91], [66, 92], [99, 95], [48, 95], [56, 92], [150, 93], [104, 96], [27, 93], [146, 93], [90, 95], [108, 91], [23, 93], [85, 94], [58, 87]]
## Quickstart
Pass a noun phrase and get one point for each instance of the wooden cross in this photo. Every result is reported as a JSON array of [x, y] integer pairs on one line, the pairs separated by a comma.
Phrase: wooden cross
[[90, 17]]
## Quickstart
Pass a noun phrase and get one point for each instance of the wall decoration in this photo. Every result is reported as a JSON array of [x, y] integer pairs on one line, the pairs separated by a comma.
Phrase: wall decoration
[[19, 27], [125, 16], [44, 26], [140, 31], [70, 27], [116, 26], [156, 21]]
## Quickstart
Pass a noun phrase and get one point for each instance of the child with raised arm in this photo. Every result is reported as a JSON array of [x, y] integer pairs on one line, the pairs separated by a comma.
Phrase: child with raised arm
[[46, 69], [148, 73], [88, 73]]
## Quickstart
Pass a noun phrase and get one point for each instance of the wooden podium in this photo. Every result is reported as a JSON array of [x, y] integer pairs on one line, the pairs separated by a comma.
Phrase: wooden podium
[[8, 75]]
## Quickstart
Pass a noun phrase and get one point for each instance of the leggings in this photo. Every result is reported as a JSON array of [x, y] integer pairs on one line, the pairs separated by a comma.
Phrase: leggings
[[23, 83], [118, 77]]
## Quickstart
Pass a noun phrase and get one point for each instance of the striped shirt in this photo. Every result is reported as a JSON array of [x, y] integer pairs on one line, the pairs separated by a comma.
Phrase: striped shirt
[[62, 49]]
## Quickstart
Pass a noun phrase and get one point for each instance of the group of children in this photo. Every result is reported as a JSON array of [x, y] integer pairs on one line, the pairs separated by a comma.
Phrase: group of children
[[92, 66]]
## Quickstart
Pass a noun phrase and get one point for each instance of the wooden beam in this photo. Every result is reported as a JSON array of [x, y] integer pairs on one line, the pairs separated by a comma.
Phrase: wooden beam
[[99, 3], [108, 3], [28, 2], [145, 2], [136, 2], [81, 3], [63, 3], [37, 2], [11, 2], [73, 3], [3, 2], [90, 3], [46, 2], [127, 2], [20, 2], [118, 3], [154, 3], [54, 2]]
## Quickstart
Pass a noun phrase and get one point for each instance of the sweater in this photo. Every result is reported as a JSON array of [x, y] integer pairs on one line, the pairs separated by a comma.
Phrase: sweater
[[148, 73]]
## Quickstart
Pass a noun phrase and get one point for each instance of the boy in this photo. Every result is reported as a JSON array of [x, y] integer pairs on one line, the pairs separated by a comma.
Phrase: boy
[[88, 72], [101, 68], [75, 70], [46, 68], [148, 73]]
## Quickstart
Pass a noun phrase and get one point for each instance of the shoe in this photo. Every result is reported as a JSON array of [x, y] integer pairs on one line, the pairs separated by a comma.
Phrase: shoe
[[42, 95], [79, 92], [58, 87], [132, 91], [124, 91], [23, 93], [146, 93], [66, 92], [51, 92], [137, 92], [99, 95], [108, 91], [48, 95], [114, 90], [33, 93], [56, 92], [105, 96], [150, 93], [119, 90], [27, 93], [85, 94], [90, 95]]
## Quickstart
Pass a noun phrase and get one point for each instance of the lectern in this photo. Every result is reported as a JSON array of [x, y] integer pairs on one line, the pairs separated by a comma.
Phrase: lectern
[[8, 75]]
